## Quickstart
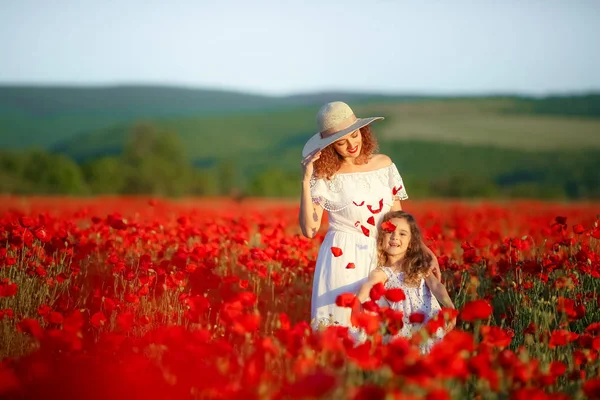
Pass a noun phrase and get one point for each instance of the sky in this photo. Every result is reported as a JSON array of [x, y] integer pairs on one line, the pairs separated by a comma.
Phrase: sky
[[280, 47]]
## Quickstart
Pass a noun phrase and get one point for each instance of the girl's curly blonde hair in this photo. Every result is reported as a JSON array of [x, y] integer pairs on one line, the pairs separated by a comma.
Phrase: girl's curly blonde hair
[[417, 261], [330, 161]]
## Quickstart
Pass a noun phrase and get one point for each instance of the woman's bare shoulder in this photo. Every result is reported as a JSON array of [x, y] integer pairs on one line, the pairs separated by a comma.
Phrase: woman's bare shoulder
[[380, 161]]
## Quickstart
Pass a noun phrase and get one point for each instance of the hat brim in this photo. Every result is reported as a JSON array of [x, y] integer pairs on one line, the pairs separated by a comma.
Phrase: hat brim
[[317, 142]]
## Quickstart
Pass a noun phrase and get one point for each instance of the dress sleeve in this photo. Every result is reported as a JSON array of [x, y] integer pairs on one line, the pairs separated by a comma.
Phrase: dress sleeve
[[396, 184], [317, 190]]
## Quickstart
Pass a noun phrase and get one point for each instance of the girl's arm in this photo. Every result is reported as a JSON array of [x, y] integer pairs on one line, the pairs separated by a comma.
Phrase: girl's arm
[[376, 276], [439, 291]]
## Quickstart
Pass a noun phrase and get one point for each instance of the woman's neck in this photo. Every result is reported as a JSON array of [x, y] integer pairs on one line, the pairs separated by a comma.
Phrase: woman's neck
[[349, 162]]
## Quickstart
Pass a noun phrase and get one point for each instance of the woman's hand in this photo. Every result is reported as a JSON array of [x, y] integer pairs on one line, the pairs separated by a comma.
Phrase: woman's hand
[[307, 164], [435, 268], [450, 324]]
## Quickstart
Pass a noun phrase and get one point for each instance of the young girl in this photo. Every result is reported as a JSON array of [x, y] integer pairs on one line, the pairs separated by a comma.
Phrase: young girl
[[403, 263]]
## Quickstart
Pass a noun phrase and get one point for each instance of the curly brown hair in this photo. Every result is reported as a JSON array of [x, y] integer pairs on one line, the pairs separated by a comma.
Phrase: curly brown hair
[[330, 161], [417, 261]]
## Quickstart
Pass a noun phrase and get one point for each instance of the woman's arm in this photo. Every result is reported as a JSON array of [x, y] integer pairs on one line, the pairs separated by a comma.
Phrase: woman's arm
[[435, 265], [441, 294], [439, 291], [310, 213]]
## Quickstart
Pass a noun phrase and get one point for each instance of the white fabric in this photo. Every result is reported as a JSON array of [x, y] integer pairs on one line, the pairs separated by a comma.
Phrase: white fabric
[[418, 299], [347, 198]]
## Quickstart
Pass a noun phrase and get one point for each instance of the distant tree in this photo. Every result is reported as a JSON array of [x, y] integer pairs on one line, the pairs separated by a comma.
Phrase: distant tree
[[53, 173], [204, 183], [463, 186], [275, 183], [156, 163], [105, 175], [228, 177]]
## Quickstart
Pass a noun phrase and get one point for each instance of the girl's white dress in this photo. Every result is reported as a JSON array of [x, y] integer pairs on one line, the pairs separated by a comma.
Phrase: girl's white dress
[[355, 203], [419, 299]]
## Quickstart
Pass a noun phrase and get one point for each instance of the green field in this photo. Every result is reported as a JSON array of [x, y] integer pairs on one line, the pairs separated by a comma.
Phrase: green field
[[475, 122], [549, 145]]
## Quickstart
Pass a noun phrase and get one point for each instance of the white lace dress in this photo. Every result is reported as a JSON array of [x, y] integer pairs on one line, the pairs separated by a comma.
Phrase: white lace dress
[[355, 203], [419, 299]]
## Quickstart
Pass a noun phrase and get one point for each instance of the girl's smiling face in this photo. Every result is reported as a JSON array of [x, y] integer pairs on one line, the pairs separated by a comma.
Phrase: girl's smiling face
[[396, 243]]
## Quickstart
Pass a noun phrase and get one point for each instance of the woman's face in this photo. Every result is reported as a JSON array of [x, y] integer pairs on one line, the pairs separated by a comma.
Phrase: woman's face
[[396, 243], [350, 145]]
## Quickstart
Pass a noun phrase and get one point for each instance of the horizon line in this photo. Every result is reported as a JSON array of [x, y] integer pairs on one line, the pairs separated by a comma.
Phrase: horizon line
[[347, 91]]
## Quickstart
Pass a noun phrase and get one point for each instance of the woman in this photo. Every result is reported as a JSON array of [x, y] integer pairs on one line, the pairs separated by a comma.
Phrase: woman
[[342, 175]]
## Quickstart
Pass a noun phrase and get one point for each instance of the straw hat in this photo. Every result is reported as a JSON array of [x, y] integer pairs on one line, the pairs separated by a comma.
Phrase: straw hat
[[334, 121]]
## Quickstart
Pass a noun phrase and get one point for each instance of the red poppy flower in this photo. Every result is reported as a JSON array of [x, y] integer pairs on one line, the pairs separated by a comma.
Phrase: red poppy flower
[[416, 318], [31, 326], [98, 319], [495, 336], [368, 322], [41, 234], [370, 306], [591, 388], [377, 291], [370, 392], [346, 300], [247, 323], [395, 295], [557, 368], [8, 289], [477, 309], [56, 317], [247, 299], [578, 229], [125, 321]]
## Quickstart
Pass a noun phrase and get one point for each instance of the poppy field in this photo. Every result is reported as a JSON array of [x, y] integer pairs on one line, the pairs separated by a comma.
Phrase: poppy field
[[210, 299]]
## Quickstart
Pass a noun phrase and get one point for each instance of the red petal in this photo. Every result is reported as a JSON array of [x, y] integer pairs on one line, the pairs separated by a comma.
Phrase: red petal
[[365, 230], [358, 205], [378, 210], [350, 266], [371, 220], [336, 251], [395, 191], [387, 226]]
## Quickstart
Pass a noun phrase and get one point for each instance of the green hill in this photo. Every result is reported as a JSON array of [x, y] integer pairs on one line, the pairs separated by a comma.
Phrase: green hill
[[482, 122], [44, 116], [58, 117]]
